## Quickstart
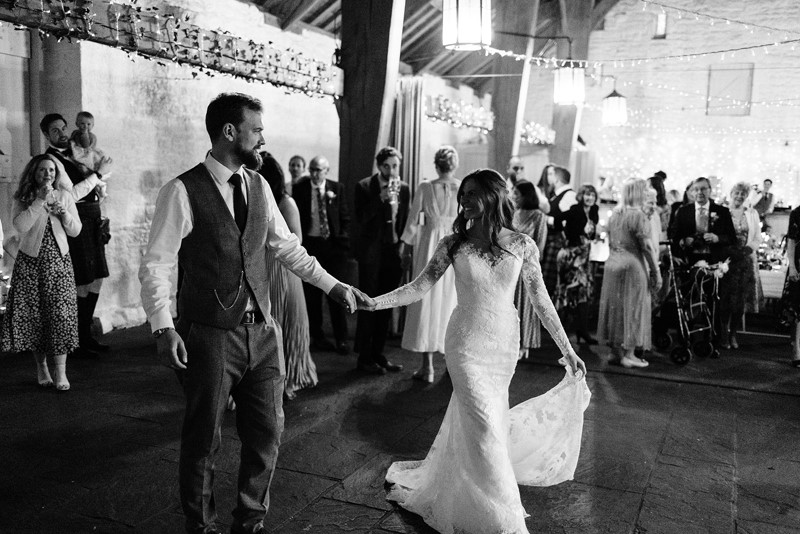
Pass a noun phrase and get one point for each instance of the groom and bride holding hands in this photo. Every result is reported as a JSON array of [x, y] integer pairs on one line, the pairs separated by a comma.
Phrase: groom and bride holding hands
[[218, 219]]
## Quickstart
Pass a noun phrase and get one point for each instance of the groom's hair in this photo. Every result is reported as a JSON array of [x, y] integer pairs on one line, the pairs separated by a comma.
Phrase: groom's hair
[[228, 108]]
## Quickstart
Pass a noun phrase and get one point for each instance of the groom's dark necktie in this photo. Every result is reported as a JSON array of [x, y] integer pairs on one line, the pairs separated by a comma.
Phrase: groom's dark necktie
[[239, 205]]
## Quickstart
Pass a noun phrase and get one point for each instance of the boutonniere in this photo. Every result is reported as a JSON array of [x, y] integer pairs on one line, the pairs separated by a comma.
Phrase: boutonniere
[[713, 217], [330, 195]]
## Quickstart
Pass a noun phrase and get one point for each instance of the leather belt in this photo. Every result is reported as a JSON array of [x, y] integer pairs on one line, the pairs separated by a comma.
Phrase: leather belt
[[252, 317]]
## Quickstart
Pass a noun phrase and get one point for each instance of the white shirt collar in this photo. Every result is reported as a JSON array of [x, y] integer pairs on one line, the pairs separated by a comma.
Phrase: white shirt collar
[[220, 172], [705, 206], [321, 186], [561, 188]]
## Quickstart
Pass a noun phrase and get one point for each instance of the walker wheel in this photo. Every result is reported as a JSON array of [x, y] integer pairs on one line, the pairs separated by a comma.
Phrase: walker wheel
[[663, 341], [704, 349], [681, 355]]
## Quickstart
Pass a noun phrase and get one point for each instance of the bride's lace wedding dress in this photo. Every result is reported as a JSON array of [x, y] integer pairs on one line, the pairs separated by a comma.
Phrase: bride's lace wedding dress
[[467, 484]]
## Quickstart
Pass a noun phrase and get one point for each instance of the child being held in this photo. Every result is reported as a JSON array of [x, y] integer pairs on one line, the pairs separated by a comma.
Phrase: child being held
[[84, 146]]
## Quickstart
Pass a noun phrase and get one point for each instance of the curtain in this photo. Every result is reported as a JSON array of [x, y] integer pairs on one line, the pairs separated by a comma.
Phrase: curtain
[[408, 117]]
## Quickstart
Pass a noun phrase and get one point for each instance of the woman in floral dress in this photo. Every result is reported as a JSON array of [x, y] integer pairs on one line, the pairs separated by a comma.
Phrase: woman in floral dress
[[41, 313]]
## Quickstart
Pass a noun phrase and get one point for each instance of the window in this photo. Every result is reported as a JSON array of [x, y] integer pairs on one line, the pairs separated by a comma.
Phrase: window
[[661, 26], [730, 89]]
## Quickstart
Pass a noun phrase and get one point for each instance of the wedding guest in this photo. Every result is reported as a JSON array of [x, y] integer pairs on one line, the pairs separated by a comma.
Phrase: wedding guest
[[546, 178], [740, 288], [83, 143], [430, 219], [516, 172], [625, 312], [381, 210], [325, 222], [656, 182], [763, 201], [688, 198], [286, 291], [575, 285], [87, 249], [790, 300], [41, 312], [561, 199], [530, 220], [703, 229], [297, 170], [650, 209]]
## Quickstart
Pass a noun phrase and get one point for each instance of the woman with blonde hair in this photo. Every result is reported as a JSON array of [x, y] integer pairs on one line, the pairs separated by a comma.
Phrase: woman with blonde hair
[[41, 313], [740, 288], [624, 320], [430, 219]]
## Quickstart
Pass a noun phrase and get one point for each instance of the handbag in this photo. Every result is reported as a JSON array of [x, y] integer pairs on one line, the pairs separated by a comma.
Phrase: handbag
[[104, 225]]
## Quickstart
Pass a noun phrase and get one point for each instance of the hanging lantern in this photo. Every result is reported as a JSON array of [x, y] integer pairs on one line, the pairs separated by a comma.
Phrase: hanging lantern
[[466, 24], [568, 87], [615, 109]]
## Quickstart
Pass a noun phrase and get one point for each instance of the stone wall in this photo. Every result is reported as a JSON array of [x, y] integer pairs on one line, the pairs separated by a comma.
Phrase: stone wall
[[149, 119], [671, 131]]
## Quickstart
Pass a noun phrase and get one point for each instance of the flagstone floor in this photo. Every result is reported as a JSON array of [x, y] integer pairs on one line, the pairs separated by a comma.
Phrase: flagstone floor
[[710, 447]]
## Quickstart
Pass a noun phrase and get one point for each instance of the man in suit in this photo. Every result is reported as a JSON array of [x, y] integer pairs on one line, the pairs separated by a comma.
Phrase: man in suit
[[381, 209], [703, 229], [87, 249], [325, 222], [217, 220]]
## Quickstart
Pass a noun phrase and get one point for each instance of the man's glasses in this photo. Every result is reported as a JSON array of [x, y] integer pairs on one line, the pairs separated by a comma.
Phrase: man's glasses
[[316, 169], [518, 168]]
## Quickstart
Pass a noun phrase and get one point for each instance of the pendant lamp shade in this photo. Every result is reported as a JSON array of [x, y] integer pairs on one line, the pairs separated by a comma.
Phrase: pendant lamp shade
[[569, 88], [615, 109], [466, 24]]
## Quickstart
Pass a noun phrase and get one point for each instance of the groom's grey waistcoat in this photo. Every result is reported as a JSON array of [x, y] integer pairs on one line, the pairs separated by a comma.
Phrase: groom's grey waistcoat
[[221, 265]]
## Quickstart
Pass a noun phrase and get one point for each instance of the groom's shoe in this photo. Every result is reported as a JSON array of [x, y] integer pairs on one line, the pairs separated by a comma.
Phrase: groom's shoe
[[371, 368], [258, 528], [391, 367]]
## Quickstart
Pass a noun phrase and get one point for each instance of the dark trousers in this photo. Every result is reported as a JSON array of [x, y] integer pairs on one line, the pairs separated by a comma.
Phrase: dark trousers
[[332, 260], [247, 363], [377, 276]]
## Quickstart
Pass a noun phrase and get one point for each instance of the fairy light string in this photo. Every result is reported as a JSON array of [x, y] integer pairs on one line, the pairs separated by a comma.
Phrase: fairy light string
[[174, 39]]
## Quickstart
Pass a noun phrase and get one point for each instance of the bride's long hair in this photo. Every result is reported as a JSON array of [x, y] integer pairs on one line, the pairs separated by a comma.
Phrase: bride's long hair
[[498, 210]]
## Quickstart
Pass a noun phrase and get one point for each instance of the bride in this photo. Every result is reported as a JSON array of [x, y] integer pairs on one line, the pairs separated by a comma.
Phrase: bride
[[467, 484]]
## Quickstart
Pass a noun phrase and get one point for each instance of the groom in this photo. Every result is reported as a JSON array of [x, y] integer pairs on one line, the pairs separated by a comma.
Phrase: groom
[[216, 221]]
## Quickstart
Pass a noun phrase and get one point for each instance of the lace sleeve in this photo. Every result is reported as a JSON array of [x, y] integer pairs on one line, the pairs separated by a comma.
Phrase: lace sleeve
[[532, 277], [414, 291]]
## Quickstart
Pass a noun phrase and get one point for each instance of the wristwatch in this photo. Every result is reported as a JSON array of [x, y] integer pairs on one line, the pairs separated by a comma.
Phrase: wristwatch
[[158, 333]]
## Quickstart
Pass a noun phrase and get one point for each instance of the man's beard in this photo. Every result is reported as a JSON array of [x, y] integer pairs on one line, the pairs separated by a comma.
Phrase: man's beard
[[250, 158], [61, 143]]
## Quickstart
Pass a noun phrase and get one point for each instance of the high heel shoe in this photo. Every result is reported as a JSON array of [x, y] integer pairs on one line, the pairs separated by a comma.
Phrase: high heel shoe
[[62, 384], [734, 342], [43, 378], [630, 362], [589, 340], [424, 375]]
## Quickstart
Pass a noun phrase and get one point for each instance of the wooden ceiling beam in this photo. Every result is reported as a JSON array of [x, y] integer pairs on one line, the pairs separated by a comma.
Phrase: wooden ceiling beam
[[301, 9]]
